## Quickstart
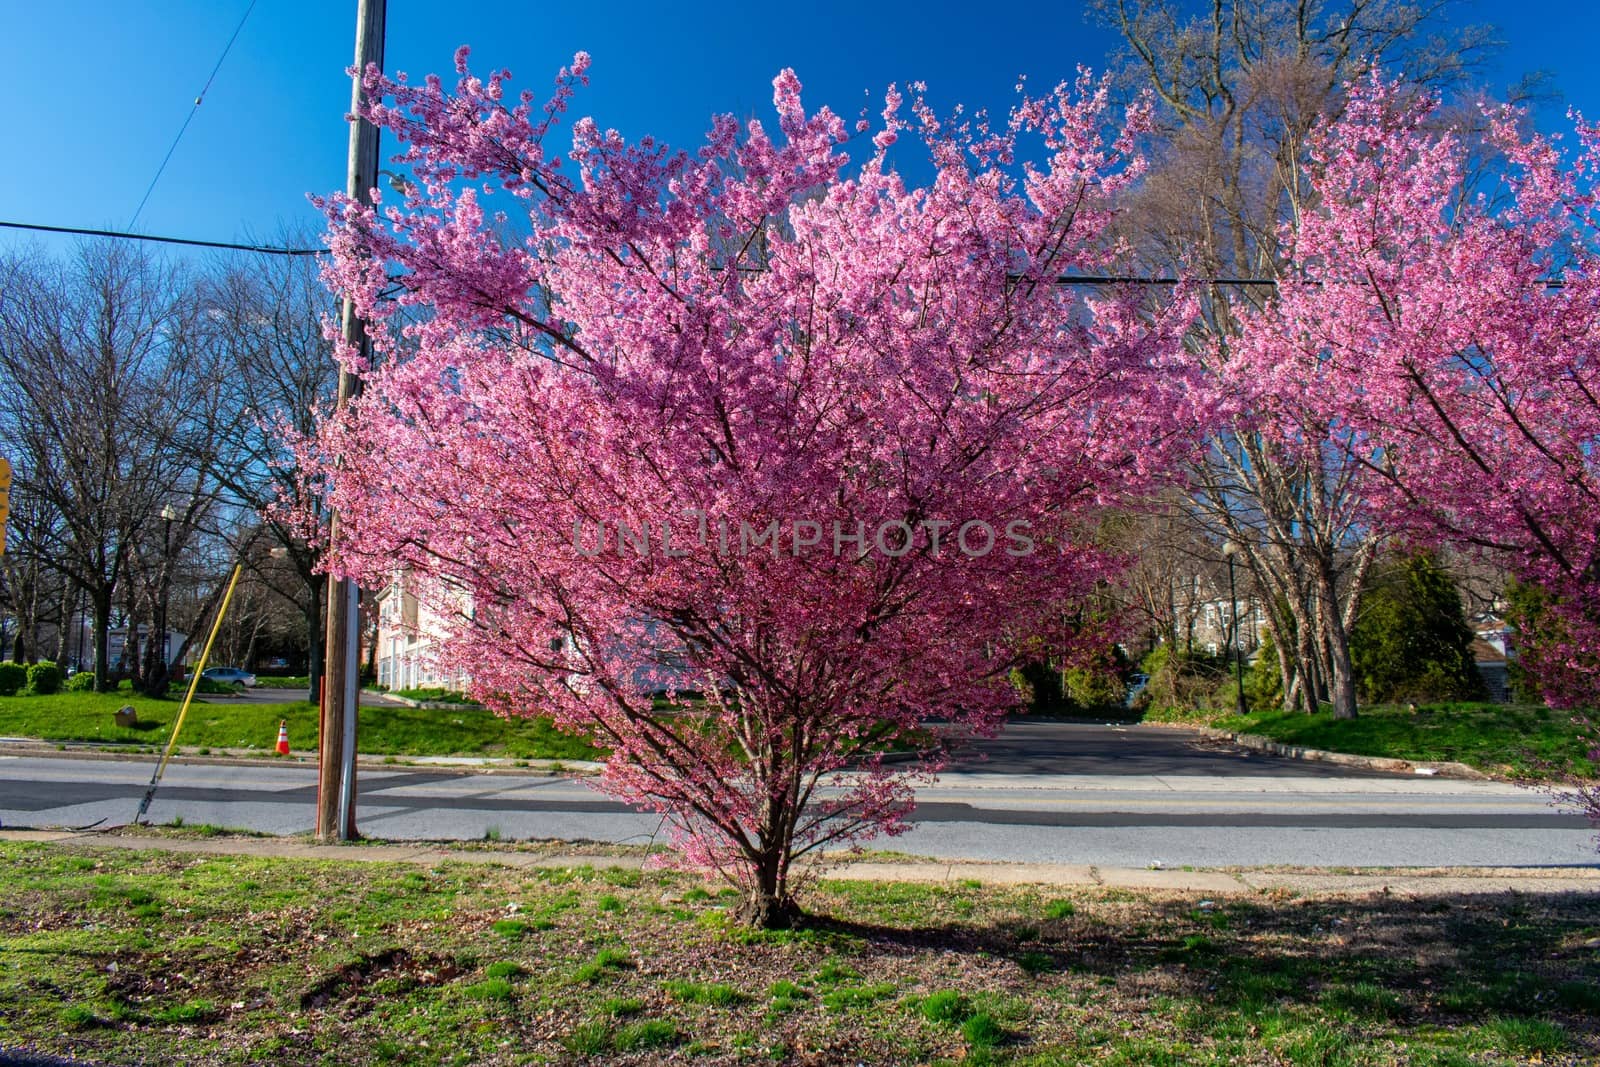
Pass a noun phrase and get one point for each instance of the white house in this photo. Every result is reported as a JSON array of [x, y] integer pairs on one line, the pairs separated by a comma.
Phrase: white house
[[409, 632], [408, 637]]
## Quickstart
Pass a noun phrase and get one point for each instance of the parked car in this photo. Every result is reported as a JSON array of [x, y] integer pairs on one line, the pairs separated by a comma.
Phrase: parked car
[[1136, 684], [229, 676]]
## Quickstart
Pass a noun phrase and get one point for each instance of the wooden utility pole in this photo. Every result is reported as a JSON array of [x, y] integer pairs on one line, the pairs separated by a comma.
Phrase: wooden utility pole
[[336, 748]]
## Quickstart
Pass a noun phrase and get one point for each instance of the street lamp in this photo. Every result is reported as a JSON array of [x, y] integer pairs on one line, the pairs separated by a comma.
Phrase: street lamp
[[1229, 550], [168, 514]]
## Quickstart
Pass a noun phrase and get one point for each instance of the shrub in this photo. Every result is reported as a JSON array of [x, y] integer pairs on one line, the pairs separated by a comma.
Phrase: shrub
[[1090, 688], [1534, 626], [1184, 681], [1038, 687], [1412, 641], [13, 676], [82, 682], [1263, 682], [44, 678], [1094, 688], [283, 681]]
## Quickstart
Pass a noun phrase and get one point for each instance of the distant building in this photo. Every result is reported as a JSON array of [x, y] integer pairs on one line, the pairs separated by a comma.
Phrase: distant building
[[409, 632], [77, 645], [1492, 654]]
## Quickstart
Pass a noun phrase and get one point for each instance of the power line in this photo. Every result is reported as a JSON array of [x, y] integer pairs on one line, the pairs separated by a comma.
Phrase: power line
[[269, 250], [265, 250], [190, 117], [1128, 279]]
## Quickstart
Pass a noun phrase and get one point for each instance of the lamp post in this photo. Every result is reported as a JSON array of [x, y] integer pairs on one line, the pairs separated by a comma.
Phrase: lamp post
[[1229, 550], [161, 672]]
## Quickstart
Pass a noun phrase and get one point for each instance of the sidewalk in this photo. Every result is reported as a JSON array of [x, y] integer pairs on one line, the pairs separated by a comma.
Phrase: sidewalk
[[1402, 881]]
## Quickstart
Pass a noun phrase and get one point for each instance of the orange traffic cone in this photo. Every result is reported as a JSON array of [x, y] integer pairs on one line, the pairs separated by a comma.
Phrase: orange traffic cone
[[283, 737]]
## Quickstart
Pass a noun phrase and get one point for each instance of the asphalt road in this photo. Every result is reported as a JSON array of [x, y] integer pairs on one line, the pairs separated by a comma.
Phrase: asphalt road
[[1114, 796], [1080, 748]]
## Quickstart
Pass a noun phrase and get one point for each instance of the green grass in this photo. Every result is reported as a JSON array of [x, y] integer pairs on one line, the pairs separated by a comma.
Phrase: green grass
[[1510, 739], [605, 964], [982, 1031], [118, 955], [387, 730], [652, 1033], [284, 681], [719, 994], [436, 696], [947, 1007], [1059, 909]]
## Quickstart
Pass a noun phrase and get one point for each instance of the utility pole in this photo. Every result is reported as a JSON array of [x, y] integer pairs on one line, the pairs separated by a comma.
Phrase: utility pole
[[336, 746]]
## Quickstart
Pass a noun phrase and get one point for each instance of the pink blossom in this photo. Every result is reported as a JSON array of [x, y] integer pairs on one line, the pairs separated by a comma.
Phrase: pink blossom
[[760, 333]]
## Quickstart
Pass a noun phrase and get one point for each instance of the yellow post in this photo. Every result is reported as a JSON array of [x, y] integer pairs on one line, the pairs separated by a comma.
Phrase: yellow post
[[194, 684], [5, 500]]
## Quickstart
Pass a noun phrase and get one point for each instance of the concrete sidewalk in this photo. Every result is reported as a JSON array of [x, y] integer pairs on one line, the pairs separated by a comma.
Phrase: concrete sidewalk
[[1402, 881]]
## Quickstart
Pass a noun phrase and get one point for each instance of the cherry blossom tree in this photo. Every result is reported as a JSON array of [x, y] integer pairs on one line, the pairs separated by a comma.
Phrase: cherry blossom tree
[[1240, 85], [749, 462], [1451, 332]]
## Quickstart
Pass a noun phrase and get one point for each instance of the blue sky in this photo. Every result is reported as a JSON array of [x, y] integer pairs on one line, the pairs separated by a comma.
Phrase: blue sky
[[96, 91]]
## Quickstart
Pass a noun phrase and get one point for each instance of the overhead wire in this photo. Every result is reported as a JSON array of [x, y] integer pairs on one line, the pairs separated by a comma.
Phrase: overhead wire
[[271, 250], [80, 231], [190, 117]]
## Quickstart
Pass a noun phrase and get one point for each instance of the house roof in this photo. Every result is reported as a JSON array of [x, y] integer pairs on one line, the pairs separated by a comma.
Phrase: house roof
[[1484, 652]]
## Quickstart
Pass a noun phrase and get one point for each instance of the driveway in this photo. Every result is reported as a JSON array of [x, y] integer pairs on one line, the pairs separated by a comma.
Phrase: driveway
[[1075, 748]]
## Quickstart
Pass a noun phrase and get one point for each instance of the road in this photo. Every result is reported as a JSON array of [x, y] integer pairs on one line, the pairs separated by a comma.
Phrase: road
[[1074, 748], [267, 695], [1055, 793]]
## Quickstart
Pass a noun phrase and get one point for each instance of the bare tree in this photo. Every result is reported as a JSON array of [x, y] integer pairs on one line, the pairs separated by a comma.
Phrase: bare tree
[[267, 317], [106, 404]]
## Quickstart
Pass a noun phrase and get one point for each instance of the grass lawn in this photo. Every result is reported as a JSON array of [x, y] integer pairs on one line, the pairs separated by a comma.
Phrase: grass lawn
[[221, 723], [1517, 740], [149, 957]]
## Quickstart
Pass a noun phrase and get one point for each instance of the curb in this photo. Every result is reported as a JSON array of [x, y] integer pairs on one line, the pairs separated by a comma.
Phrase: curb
[[1390, 881], [430, 705], [1258, 743]]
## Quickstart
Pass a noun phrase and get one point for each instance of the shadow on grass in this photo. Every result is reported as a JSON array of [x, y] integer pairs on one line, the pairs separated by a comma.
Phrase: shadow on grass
[[1527, 964]]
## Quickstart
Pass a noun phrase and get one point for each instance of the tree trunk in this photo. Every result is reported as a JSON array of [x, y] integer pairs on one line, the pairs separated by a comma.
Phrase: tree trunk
[[101, 599], [157, 673], [134, 650], [33, 614], [61, 631], [1280, 648], [1305, 657], [314, 646], [767, 904], [1341, 672]]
